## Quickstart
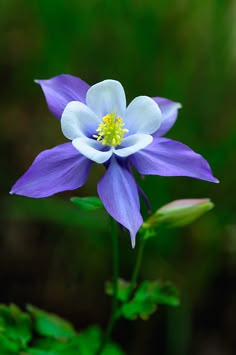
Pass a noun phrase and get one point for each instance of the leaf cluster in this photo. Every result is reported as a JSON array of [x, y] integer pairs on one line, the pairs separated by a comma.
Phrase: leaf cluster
[[37, 332], [146, 298]]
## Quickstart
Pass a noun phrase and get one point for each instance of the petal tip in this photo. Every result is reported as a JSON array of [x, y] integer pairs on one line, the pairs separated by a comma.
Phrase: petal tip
[[133, 242], [179, 105]]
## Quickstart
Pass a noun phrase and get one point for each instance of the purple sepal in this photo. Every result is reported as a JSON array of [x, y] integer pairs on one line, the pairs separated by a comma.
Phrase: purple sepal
[[62, 89], [54, 170], [169, 110], [166, 157], [118, 191]]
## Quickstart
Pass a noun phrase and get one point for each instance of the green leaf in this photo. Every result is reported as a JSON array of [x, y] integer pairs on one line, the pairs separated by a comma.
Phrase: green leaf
[[112, 349], [123, 289], [178, 213], [87, 203], [8, 346], [147, 297], [50, 325], [15, 325], [51, 346], [135, 309], [90, 340], [161, 293], [85, 343]]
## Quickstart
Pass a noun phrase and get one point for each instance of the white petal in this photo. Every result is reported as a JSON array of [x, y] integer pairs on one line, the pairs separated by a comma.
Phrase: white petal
[[142, 116], [78, 120], [133, 144], [105, 97], [92, 149]]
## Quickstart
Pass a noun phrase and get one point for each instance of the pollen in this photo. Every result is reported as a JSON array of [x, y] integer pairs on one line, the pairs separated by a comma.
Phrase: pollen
[[111, 130]]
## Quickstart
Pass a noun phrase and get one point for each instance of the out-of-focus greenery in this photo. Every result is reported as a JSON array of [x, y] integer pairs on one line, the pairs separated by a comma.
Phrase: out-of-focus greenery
[[37, 332], [182, 50]]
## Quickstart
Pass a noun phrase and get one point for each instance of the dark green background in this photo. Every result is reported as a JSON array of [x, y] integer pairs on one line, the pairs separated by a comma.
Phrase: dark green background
[[182, 50]]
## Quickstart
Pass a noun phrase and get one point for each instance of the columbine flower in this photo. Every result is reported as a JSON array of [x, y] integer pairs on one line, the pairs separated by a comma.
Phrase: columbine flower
[[103, 130]]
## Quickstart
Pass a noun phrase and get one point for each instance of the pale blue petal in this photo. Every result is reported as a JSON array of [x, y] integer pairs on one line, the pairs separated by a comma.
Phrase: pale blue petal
[[142, 116], [106, 97], [92, 149], [133, 144], [78, 120]]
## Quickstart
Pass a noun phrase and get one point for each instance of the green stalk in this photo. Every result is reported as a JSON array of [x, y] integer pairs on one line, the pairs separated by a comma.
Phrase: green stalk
[[115, 314], [113, 318], [137, 266]]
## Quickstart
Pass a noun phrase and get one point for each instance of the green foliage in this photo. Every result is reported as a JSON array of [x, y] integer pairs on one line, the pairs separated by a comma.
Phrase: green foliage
[[90, 340], [123, 289], [8, 346], [147, 297], [40, 333], [50, 325], [87, 203], [15, 328], [85, 343]]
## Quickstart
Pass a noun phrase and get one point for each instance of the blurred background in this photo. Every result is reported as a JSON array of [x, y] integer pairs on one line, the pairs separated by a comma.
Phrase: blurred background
[[56, 257]]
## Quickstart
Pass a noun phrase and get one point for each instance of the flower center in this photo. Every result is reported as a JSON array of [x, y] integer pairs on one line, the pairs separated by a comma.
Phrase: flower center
[[111, 131]]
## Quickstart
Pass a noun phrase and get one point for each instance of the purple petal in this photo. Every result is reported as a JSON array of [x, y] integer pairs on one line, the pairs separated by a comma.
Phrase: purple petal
[[166, 157], [62, 89], [119, 194], [169, 110], [54, 170]]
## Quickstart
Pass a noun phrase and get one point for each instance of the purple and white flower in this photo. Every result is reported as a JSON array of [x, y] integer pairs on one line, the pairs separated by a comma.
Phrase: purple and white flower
[[103, 129]]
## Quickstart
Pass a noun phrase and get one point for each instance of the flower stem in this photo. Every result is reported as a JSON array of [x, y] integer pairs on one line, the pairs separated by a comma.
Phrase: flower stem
[[137, 266], [113, 318]]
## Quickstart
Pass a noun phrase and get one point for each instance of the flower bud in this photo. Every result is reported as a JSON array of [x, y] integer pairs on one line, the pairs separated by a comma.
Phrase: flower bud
[[178, 213]]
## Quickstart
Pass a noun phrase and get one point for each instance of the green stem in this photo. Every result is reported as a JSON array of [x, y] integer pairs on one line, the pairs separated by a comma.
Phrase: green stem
[[137, 266], [113, 317]]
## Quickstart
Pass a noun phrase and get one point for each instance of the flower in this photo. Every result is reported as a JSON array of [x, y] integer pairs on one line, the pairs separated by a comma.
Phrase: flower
[[103, 130]]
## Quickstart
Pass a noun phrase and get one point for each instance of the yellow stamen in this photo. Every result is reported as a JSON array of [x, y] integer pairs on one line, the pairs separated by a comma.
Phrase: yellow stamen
[[111, 131]]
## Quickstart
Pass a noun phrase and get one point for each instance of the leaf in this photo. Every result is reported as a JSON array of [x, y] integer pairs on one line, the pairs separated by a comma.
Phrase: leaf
[[15, 325], [147, 297], [85, 343], [90, 340], [51, 346], [87, 203], [123, 289], [8, 346], [162, 293], [50, 325], [112, 349], [133, 309]]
